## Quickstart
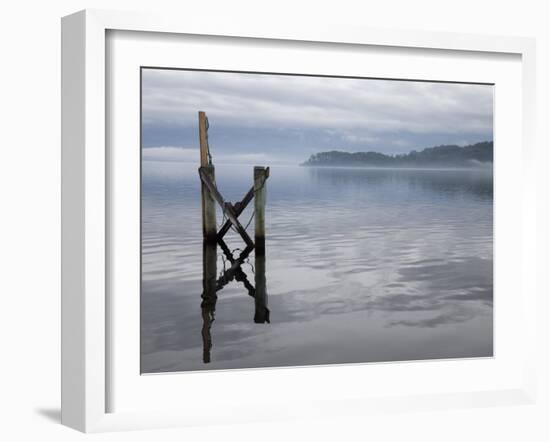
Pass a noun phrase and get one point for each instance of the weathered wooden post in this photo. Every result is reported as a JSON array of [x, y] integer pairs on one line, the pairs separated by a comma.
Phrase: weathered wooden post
[[261, 313], [209, 208], [209, 228], [209, 297], [260, 177]]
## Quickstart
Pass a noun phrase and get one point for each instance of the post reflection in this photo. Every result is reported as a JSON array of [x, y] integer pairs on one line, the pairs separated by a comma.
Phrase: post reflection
[[234, 272], [261, 312], [209, 296]]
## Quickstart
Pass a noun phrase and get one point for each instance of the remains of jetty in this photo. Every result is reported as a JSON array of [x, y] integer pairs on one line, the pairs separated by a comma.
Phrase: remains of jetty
[[212, 283]]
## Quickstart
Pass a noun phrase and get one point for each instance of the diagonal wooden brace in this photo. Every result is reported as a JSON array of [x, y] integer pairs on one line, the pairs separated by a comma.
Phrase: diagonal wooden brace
[[238, 208], [227, 208]]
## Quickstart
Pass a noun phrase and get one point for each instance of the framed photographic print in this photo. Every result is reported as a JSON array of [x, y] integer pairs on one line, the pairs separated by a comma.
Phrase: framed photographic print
[[375, 256], [279, 223]]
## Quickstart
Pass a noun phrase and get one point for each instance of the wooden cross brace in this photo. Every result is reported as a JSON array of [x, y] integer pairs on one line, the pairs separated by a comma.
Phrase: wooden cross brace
[[238, 208], [228, 209], [231, 211]]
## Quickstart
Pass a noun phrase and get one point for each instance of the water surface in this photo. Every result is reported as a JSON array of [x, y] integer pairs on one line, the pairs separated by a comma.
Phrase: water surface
[[362, 265]]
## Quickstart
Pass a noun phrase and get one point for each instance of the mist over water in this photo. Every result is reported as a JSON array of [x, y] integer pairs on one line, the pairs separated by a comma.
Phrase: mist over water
[[362, 265]]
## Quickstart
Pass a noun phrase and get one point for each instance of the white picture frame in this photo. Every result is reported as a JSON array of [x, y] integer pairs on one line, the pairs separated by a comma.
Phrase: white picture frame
[[86, 202]]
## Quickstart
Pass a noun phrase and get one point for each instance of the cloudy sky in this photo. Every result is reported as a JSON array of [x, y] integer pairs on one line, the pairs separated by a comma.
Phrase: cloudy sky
[[270, 119]]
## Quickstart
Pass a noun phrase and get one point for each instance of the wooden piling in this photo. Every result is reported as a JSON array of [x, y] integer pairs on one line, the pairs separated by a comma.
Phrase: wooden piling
[[210, 230], [203, 138], [260, 177]]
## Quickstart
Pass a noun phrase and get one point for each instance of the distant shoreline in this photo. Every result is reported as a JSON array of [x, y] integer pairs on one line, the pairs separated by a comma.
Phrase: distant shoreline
[[488, 167], [474, 156]]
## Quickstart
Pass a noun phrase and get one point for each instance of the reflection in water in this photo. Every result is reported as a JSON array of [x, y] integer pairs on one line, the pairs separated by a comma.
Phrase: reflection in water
[[209, 296], [448, 182], [362, 265], [261, 312], [211, 286]]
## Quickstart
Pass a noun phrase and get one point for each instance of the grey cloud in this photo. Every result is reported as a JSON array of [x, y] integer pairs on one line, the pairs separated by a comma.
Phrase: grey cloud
[[384, 115], [337, 103]]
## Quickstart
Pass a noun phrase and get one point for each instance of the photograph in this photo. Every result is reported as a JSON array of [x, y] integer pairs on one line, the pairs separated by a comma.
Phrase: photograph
[[292, 219]]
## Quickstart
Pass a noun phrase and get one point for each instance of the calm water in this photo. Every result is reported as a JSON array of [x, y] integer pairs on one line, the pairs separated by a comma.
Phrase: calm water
[[361, 266]]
